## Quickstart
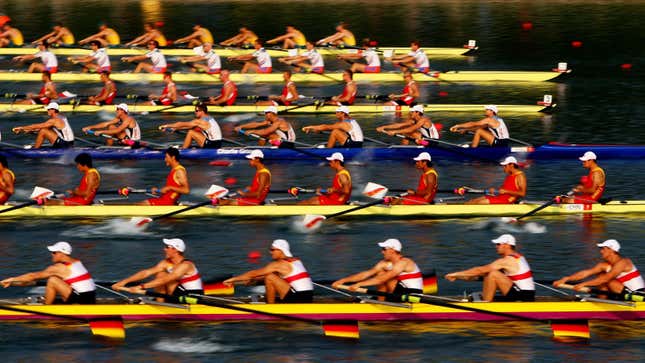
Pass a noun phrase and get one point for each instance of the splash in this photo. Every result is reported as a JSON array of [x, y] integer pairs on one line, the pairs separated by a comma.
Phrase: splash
[[114, 228], [509, 225], [190, 345], [110, 169]]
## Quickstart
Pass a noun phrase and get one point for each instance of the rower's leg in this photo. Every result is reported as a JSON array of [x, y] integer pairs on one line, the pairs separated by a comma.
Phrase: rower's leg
[[478, 200], [193, 135], [36, 68], [310, 201], [249, 67], [275, 286], [358, 67], [336, 136], [45, 134], [56, 286], [494, 281], [288, 43]]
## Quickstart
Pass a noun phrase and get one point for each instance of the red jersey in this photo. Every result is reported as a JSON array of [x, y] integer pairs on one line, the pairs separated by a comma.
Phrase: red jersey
[[509, 184], [83, 186], [231, 99], [255, 186], [335, 198], [171, 197], [596, 194], [420, 199], [345, 93]]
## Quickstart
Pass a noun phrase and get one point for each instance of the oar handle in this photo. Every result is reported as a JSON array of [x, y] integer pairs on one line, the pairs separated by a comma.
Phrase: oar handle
[[360, 290], [572, 287]]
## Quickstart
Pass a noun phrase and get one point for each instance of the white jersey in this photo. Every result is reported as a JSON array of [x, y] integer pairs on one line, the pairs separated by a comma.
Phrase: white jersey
[[632, 280], [157, 58], [429, 132], [356, 133], [133, 133], [66, 133], [501, 131], [102, 58], [212, 59], [523, 278], [189, 281], [371, 57], [48, 58], [263, 58], [315, 58], [411, 280], [420, 58], [290, 135], [79, 278], [213, 133], [299, 278]]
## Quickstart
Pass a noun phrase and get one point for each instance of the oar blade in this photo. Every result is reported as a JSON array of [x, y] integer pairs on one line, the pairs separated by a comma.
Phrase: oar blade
[[309, 223], [341, 329], [140, 222], [109, 328], [41, 193], [376, 191]]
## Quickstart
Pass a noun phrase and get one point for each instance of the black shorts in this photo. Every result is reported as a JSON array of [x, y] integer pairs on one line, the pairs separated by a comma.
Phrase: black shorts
[[349, 143], [87, 298], [212, 144], [62, 144], [181, 292], [403, 103], [297, 297], [515, 294], [640, 292], [500, 143], [402, 290]]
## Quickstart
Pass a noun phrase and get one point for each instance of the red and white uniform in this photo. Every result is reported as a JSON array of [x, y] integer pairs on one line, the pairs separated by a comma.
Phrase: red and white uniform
[[78, 200], [233, 96], [406, 90], [264, 61], [420, 60], [352, 96], [212, 59], [255, 186], [110, 96], [373, 61], [316, 60], [164, 100], [419, 199], [102, 60], [411, 280], [509, 184], [335, 198], [171, 197], [42, 98], [49, 60], [596, 194], [299, 278], [79, 278], [189, 281], [523, 279], [632, 280], [158, 60], [286, 94]]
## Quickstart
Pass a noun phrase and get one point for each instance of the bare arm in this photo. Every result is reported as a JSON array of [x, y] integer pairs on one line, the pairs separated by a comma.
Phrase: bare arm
[[363, 275], [7, 183], [54, 270], [101, 125], [143, 274], [253, 274], [583, 274]]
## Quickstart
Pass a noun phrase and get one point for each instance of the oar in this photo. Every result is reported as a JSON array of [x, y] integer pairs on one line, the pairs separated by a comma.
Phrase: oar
[[289, 109], [625, 299], [532, 212], [38, 196], [23, 205]]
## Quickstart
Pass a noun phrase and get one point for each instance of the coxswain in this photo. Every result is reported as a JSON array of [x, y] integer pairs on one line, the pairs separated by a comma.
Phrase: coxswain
[[256, 193], [394, 274], [409, 94], [107, 94], [288, 96], [151, 33], [345, 132], [55, 129], [591, 185], [293, 38], [123, 127], [66, 277], [286, 279], [49, 60], [86, 191], [244, 39], [310, 60], [7, 180], [106, 36], [428, 182], [176, 182], [342, 37], [373, 62], [417, 127], [46, 94], [491, 128], [341, 187], [416, 60], [157, 58], [228, 94], [204, 53], [203, 129], [272, 128], [10, 37], [97, 61], [199, 36], [510, 274], [60, 36], [513, 188], [262, 62], [168, 95], [615, 274], [347, 97], [174, 275]]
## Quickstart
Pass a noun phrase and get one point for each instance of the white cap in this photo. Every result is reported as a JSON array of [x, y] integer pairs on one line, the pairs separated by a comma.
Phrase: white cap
[[417, 108], [343, 109], [611, 244], [505, 239], [336, 156], [509, 160], [123, 107], [175, 243], [255, 154], [589, 155], [392, 243], [423, 156], [283, 246], [52, 106], [272, 109], [491, 107], [63, 247]]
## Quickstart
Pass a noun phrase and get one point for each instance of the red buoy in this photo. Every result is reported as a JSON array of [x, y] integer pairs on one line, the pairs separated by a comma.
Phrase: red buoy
[[576, 44], [527, 25], [443, 94], [220, 163], [438, 126], [254, 255], [230, 181], [626, 66]]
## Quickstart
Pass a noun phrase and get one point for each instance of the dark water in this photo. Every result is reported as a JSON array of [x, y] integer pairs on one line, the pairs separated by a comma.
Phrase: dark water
[[598, 103]]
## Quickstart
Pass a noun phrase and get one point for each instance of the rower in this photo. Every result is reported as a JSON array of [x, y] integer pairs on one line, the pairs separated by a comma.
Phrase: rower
[[199, 36], [7, 180], [491, 128], [510, 274], [168, 95], [60, 36], [151, 33], [409, 95], [341, 188], [591, 185], [46, 95], [86, 191], [288, 96], [371, 57], [122, 127], [106, 36], [157, 58], [256, 193], [513, 188], [428, 182], [346, 98], [203, 129], [66, 277], [342, 37], [417, 127], [272, 128], [262, 57], [174, 275], [10, 37], [346, 132], [204, 53], [228, 94], [395, 273], [55, 129], [293, 38], [97, 61], [107, 94], [615, 274], [244, 39], [176, 182], [310, 60], [416, 60], [49, 61], [286, 278]]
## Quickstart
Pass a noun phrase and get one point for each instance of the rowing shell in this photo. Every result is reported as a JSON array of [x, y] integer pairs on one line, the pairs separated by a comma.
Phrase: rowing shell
[[437, 211], [449, 76]]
